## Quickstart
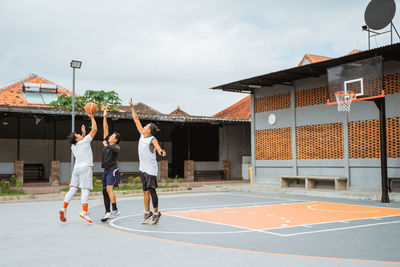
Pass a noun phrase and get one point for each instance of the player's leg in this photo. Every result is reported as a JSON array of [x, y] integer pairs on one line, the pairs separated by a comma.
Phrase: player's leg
[[146, 198], [106, 197], [113, 181], [154, 198], [86, 184], [68, 197], [84, 214]]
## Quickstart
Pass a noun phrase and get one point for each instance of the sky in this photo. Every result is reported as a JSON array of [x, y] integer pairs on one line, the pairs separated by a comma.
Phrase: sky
[[170, 53]]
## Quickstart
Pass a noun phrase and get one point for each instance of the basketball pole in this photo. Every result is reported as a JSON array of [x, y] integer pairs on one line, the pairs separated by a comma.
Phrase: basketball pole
[[380, 103]]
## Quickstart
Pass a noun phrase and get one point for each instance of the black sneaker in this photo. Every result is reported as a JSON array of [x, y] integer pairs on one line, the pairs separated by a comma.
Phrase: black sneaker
[[147, 217], [156, 218]]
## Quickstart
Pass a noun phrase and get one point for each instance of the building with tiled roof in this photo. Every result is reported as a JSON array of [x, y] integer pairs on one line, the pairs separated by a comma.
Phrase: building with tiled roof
[[34, 148], [310, 58], [32, 91], [141, 108], [239, 110], [179, 112]]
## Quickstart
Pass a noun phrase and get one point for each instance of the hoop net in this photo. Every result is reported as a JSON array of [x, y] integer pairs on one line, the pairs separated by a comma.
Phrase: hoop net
[[344, 99]]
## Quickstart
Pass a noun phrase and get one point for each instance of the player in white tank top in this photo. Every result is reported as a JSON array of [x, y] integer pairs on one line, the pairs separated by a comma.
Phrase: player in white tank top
[[147, 158], [147, 148]]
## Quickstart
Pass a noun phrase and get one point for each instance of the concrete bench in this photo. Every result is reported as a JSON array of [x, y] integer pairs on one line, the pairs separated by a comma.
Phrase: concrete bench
[[210, 174], [310, 181], [390, 182]]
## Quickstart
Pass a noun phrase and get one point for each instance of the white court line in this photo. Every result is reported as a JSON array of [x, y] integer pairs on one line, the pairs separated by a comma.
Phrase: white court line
[[244, 229], [230, 225], [112, 223], [225, 206], [356, 205], [312, 224], [237, 194], [311, 207], [342, 228]]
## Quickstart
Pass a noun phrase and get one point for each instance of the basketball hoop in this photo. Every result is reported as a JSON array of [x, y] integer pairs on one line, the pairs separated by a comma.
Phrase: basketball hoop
[[344, 99]]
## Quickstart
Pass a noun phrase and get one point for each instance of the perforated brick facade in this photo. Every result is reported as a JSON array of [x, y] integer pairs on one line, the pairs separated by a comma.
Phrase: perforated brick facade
[[392, 83], [311, 97], [274, 102], [364, 139], [274, 144], [323, 141]]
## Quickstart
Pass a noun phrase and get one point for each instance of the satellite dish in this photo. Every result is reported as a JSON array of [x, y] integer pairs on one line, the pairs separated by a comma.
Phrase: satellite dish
[[379, 13]]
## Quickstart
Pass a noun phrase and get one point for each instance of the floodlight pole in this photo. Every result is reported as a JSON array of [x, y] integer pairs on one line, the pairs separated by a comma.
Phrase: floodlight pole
[[73, 116], [74, 65]]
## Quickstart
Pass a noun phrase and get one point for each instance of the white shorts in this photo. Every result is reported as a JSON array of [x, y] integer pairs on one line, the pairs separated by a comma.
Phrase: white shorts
[[82, 177]]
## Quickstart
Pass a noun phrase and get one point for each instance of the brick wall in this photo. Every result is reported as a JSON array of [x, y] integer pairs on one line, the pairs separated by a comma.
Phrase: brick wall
[[189, 170], [364, 138], [274, 144], [311, 97], [324, 141], [55, 172], [273, 102]]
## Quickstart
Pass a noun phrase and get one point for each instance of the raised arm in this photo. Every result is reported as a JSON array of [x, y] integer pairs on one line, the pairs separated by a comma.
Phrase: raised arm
[[105, 124], [136, 118], [94, 125], [156, 145]]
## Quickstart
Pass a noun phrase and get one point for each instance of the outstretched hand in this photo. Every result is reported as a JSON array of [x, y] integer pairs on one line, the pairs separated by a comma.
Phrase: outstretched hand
[[131, 103], [90, 115], [105, 112]]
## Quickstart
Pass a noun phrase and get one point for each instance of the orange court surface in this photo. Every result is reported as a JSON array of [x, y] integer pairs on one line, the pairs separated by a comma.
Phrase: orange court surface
[[285, 215]]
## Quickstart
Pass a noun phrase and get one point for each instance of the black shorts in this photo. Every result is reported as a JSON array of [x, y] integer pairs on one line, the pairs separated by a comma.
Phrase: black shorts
[[148, 181], [110, 177]]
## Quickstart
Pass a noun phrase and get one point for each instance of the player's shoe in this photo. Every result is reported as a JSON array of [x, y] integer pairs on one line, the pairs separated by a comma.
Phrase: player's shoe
[[85, 215], [147, 217], [63, 213], [156, 218], [106, 217], [114, 214]]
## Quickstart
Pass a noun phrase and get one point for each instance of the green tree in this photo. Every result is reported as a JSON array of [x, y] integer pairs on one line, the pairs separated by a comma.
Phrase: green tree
[[100, 98]]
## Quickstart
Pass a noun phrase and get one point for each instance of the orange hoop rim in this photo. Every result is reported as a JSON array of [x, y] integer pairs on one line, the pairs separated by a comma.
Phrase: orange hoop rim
[[345, 93], [360, 99]]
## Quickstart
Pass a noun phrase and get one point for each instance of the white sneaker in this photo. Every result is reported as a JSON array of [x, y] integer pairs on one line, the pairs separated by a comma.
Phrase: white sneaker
[[115, 213], [63, 215], [85, 215], [106, 216]]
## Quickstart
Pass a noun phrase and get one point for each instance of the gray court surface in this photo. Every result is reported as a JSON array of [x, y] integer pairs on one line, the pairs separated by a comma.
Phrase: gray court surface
[[32, 235]]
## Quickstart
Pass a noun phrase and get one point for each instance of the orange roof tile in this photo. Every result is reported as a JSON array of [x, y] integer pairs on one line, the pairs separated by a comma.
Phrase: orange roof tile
[[354, 51], [141, 108], [312, 59], [179, 112], [12, 95], [239, 110]]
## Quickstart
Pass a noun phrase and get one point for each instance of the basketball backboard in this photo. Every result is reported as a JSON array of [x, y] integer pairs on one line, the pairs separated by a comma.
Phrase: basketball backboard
[[363, 77]]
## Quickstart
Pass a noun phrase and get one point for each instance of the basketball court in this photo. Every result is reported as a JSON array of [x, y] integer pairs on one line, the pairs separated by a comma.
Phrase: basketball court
[[203, 229]]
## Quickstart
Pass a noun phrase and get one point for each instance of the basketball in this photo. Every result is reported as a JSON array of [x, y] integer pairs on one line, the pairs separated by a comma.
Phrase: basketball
[[91, 108]]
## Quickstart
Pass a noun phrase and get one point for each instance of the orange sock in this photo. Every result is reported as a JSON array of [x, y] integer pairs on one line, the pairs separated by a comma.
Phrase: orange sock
[[85, 207], [65, 205]]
